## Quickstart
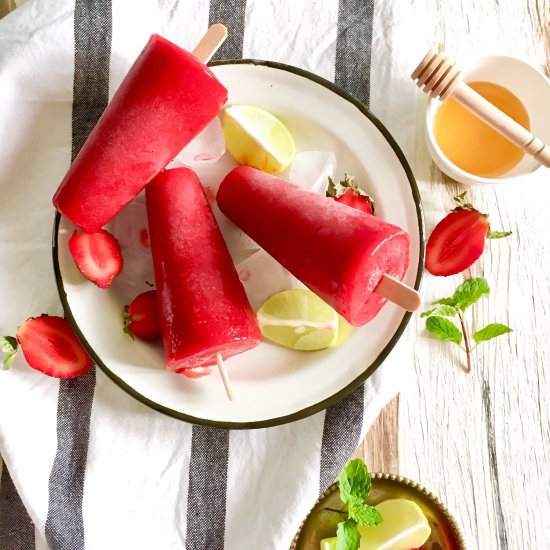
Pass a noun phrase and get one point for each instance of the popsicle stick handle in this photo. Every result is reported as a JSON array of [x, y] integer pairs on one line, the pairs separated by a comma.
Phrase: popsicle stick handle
[[437, 75], [399, 293], [208, 45], [225, 378]]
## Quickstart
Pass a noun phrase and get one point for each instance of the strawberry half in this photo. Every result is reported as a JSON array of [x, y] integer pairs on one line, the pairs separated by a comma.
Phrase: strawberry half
[[349, 193], [458, 240], [50, 346], [97, 256], [141, 317]]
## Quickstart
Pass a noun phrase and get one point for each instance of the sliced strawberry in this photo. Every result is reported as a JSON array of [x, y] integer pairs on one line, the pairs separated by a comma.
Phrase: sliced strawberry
[[349, 193], [456, 242], [50, 346], [141, 317], [97, 256]]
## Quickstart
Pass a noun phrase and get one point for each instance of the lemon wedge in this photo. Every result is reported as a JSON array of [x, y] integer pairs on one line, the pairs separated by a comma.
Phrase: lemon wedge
[[257, 138], [298, 319], [404, 526]]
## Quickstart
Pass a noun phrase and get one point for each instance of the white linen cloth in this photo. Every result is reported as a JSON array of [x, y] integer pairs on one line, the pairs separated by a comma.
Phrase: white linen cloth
[[136, 485]]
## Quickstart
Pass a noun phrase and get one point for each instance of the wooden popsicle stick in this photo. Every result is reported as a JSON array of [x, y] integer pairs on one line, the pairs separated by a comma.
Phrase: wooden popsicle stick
[[436, 75], [208, 45], [399, 293], [225, 378]]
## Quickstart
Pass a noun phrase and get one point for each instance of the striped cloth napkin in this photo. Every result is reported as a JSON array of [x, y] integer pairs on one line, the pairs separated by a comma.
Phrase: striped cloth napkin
[[87, 466]]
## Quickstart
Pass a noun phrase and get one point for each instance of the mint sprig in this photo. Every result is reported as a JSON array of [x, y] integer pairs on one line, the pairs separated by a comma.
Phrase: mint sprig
[[355, 485], [8, 345], [465, 296]]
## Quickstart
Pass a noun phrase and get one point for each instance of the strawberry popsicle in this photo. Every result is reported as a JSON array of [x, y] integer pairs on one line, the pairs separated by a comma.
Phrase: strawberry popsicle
[[165, 100], [340, 253], [203, 306]]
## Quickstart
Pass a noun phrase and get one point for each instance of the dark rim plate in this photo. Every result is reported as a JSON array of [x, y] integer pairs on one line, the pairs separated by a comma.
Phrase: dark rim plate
[[335, 398]]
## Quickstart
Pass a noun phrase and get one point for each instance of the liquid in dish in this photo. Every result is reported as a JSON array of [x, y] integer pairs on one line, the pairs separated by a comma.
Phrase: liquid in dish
[[471, 144]]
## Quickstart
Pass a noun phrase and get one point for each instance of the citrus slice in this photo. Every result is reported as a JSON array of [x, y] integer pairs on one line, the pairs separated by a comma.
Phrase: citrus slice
[[404, 526], [298, 319], [257, 138]]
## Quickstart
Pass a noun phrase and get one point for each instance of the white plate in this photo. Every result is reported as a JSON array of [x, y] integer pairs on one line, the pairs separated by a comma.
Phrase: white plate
[[273, 385]]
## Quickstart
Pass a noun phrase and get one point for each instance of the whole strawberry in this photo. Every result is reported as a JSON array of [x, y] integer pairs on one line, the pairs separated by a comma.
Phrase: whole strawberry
[[349, 193], [141, 317], [458, 240]]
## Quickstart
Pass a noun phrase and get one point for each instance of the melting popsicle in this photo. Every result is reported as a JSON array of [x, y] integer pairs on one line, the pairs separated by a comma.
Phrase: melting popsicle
[[165, 100], [341, 254], [204, 310]]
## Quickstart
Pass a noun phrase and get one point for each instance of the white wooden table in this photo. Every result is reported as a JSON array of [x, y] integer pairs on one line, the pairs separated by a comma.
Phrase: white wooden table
[[482, 441]]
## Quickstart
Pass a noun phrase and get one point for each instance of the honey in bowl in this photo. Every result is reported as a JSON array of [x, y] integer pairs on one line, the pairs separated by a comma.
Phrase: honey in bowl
[[471, 144]]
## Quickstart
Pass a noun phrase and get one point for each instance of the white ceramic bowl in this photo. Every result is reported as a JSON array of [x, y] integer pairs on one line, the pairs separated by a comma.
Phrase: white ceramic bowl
[[272, 384], [526, 82]]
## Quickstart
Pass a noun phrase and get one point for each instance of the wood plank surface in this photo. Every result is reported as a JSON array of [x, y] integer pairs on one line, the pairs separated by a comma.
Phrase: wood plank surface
[[481, 441], [379, 449], [6, 6]]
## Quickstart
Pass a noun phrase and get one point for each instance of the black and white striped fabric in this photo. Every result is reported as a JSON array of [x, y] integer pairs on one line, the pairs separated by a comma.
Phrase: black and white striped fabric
[[86, 466]]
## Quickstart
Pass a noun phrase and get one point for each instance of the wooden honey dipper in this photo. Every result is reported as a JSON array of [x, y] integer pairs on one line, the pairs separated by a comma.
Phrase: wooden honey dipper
[[437, 76]]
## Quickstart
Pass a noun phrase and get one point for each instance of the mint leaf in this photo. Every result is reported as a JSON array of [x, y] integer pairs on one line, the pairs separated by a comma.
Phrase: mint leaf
[[8, 344], [469, 292], [444, 329], [347, 535], [490, 331], [498, 234], [354, 481], [441, 310], [363, 513], [445, 301]]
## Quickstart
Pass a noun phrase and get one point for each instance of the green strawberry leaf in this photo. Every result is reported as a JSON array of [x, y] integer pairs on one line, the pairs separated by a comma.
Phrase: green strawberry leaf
[[126, 320], [490, 331], [498, 234], [462, 203], [347, 535], [9, 345], [444, 329]]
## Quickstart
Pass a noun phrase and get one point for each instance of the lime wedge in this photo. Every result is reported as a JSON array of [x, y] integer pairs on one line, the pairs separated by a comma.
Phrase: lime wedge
[[345, 330], [298, 319], [257, 138], [405, 526]]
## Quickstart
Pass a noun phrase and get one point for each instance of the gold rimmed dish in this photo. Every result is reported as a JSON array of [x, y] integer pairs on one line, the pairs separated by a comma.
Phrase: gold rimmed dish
[[323, 518]]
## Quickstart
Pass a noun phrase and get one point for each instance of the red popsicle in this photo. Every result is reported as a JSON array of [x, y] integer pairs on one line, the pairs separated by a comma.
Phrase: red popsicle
[[340, 253], [203, 306], [165, 100]]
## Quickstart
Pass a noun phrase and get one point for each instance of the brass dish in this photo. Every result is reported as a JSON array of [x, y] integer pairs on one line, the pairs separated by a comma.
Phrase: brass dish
[[321, 523]]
